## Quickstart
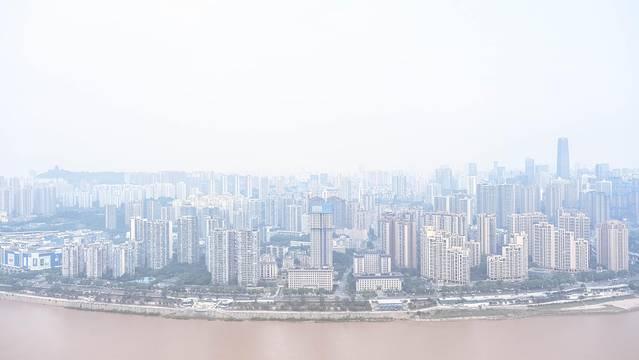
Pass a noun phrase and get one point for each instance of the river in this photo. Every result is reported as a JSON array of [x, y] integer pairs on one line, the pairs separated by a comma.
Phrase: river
[[31, 331]]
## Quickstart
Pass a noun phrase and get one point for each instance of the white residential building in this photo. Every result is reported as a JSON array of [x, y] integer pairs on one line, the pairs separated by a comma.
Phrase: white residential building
[[311, 278], [268, 267], [443, 260], [612, 246], [371, 262], [384, 283]]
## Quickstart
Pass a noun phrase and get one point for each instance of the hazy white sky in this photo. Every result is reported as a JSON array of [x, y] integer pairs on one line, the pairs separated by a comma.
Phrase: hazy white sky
[[289, 86]]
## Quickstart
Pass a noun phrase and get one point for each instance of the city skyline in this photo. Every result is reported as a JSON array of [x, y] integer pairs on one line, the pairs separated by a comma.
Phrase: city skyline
[[319, 179], [243, 231], [527, 166]]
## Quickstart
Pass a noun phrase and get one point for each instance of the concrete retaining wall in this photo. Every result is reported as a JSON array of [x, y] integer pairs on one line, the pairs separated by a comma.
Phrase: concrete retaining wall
[[188, 313]]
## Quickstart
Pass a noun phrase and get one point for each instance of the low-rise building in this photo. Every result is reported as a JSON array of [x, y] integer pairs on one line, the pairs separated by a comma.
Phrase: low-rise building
[[32, 259], [385, 283], [371, 262], [268, 267], [311, 278]]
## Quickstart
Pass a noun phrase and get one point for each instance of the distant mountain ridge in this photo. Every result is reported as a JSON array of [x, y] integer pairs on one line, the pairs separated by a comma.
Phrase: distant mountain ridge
[[77, 177]]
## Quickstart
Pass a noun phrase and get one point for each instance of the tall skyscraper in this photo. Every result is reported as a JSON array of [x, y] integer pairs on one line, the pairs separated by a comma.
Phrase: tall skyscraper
[[248, 187], [527, 199], [110, 217], [248, 257], [523, 223], [442, 203], [386, 231], [530, 171], [152, 209], [444, 177], [263, 188], [505, 204], [98, 259], [321, 234], [602, 171], [339, 208], [403, 241], [71, 259], [451, 223], [562, 242], [612, 246], [555, 198], [157, 241], [509, 265], [472, 169], [563, 159], [233, 257], [220, 247], [136, 239], [559, 249], [542, 249], [122, 261], [398, 236], [399, 186], [522, 239], [487, 226], [132, 210], [486, 199], [442, 259], [293, 218], [596, 205], [187, 246], [578, 223], [580, 255], [465, 206]]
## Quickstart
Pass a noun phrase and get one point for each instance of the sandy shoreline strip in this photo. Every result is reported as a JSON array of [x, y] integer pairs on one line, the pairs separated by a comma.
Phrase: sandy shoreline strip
[[611, 306]]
